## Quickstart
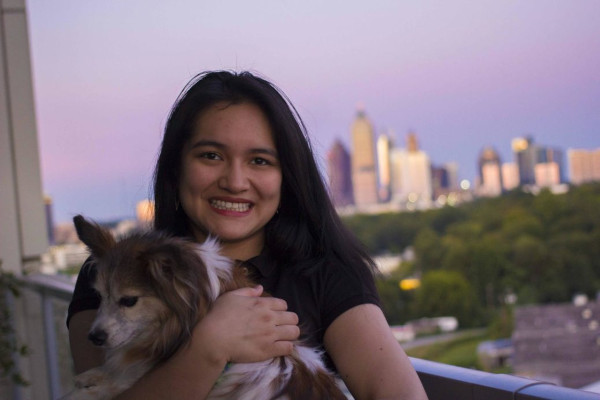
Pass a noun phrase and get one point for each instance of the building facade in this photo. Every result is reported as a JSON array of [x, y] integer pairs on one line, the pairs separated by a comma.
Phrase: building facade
[[340, 178], [364, 167], [490, 173], [584, 165]]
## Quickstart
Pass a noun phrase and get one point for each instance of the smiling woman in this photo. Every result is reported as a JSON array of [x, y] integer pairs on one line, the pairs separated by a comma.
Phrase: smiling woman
[[235, 163]]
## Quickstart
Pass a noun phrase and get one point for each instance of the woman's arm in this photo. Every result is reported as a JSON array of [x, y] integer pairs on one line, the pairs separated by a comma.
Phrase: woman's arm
[[368, 357], [241, 327]]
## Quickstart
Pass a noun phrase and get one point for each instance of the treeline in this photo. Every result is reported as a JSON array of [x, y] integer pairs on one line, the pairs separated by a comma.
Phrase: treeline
[[475, 258]]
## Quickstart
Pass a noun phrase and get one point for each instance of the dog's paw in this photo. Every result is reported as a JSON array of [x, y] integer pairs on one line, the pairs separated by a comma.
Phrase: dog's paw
[[90, 385], [89, 379]]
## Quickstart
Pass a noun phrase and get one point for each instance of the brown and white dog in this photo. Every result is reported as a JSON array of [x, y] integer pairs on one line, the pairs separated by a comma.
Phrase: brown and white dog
[[154, 289]]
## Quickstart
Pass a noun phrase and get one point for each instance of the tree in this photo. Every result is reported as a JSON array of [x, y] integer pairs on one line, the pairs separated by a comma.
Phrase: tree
[[446, 293]]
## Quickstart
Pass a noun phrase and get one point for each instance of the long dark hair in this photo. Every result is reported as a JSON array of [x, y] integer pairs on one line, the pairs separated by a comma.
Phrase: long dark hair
[[306, 230]]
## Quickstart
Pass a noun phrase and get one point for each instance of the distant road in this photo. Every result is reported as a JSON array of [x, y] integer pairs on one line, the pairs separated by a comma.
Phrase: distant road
[[443, 337]]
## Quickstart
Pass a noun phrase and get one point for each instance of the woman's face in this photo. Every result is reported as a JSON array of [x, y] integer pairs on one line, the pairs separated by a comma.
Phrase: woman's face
[[230, 184]]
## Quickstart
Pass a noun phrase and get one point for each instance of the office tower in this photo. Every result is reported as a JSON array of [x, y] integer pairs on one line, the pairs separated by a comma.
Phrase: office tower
[[584, 165], [49, 220], [490, 174], [547, 174], [556, 156], [439, 181], [364, 169], [510, 176], [411, 175], [452, 173], [340, 179], [526, 156], [383, 163]]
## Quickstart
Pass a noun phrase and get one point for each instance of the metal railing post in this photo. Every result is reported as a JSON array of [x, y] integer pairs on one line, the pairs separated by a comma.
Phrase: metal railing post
[[51, 345]]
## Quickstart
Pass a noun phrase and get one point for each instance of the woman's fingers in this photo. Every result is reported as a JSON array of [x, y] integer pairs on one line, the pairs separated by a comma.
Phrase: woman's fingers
[[287, 333], [286, 318], [245, 327], [248, 291]]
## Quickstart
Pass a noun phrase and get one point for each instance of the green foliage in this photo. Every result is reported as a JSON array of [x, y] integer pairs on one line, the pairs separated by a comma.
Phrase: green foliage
[[543, 248], [502, 325], [8, 344], [461, 351], [444, 293]]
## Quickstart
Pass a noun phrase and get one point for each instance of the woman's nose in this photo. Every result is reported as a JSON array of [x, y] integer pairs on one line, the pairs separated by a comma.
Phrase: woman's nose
[[234, 178]]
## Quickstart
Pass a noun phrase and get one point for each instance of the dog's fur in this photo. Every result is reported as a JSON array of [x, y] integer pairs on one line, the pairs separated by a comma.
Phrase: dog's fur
[[154, 289]]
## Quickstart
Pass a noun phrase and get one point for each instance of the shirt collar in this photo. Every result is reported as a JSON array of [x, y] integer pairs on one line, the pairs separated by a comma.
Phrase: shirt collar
[[262, 263]]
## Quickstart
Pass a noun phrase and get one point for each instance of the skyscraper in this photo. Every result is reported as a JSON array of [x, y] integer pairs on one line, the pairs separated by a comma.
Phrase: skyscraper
[[364, 169], [547, 174], [510, 176], [340, 179], [584, 165], [411, 175], [526, 156], [554, 156], [439, 181], [383, 163], [490, 173]]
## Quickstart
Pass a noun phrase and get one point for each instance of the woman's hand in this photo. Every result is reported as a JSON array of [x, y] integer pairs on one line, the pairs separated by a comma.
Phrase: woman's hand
[[244, 327]]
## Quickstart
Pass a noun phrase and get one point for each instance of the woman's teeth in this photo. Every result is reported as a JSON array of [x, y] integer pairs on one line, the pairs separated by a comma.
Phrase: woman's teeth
[[228, 206]]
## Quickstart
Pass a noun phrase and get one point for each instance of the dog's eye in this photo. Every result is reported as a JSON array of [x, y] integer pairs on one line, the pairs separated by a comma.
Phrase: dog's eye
[[128, 301]]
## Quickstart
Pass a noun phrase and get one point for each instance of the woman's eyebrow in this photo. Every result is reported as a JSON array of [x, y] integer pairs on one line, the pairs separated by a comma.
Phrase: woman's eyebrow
[[212, 143], [267, 151]]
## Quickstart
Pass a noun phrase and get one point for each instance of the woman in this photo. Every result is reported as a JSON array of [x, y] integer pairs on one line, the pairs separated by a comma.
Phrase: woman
[[235, 162]]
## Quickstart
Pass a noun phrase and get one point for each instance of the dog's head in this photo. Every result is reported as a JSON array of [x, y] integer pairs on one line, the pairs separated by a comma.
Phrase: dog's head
[[154, 288]]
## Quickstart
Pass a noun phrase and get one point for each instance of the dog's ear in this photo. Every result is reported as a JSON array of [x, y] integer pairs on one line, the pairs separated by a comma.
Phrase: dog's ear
[[96, 238], [171, 266]]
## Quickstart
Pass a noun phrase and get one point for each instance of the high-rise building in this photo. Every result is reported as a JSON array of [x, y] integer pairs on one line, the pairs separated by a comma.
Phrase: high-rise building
[[510, 175], [556, 156], [364, 168], [383, 163], [411, 175], [490, 173], [439, 181], [526, 156], [547, 174], [584, 165], [452, 172], [340, 179]]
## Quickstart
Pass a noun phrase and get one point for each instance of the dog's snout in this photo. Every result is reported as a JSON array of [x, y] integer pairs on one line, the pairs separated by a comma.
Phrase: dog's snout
[[98, 337]]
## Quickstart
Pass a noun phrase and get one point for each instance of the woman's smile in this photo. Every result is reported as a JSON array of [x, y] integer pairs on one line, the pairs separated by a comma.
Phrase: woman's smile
[[240, 207]]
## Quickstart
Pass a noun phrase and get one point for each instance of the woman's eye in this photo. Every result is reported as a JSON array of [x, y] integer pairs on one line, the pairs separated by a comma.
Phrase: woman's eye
[[209, 155], [128, 301], [260, 161]]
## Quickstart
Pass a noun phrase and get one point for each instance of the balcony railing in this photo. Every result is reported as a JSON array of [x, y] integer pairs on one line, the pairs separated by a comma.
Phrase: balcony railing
[[53, 377]]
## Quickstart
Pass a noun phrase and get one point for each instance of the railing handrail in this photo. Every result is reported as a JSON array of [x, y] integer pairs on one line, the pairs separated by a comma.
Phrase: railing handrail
[[58, 286], [443, 381]]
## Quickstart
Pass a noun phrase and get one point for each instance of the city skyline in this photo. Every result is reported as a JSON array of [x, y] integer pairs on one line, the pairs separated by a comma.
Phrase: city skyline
[[462, 76]]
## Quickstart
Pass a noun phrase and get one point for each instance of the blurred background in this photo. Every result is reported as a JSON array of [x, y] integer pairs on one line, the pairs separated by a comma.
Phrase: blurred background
[[460, 141]]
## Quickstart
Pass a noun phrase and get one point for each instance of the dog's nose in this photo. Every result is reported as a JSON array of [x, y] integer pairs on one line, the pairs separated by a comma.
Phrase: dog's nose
[[98, 337]]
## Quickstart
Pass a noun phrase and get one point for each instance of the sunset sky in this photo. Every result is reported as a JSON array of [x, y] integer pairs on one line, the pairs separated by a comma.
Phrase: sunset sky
[[460, 74]]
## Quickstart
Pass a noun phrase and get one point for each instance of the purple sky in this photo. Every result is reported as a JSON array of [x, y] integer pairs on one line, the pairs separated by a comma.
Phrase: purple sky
[[461, 74]]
